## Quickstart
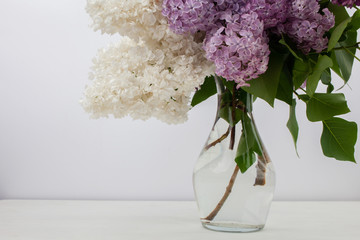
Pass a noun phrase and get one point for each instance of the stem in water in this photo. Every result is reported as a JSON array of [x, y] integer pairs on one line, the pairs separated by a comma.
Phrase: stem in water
[[213, 214]]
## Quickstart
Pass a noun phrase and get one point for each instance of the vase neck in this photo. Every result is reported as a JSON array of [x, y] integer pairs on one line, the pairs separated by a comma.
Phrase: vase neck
[[229, 95], [219, 85]]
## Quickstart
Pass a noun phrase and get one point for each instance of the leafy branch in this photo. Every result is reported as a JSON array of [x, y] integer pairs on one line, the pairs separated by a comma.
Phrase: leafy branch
[[352, 54], [356, 45]]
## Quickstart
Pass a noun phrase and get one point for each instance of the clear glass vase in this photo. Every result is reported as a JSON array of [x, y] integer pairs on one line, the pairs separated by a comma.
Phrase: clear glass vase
[[234, 178]]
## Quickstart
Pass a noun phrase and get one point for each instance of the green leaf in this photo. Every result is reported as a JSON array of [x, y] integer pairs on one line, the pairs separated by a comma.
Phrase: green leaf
[[266, 85], [249, 144], [285, 88], [228, 84], [326, 77], [207, 89], [339, 12], [355, 21], [330, 88], [338, 139], [292, 124], [300, 72], [326, 80], [336, 34], [322, 106], [336, 67], [247, 159], [304, 97], [322, 64], [344, 60], [226, 107], [226, 114]]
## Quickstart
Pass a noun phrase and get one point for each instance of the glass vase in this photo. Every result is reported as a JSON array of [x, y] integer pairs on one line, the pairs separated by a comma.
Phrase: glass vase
[[234, 178]]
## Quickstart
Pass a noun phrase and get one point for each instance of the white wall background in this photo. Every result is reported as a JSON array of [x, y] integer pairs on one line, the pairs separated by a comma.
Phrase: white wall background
[[49, 149]]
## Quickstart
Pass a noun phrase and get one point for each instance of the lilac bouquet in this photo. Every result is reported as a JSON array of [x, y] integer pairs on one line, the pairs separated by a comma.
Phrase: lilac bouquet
[[270, 49]]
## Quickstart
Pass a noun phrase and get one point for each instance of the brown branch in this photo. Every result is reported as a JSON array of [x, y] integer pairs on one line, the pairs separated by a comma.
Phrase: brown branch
[[263, 160], [213, 214], [232, 138], [233, 116], [228, 190], [260, 172], [261, 168], [219, 140]]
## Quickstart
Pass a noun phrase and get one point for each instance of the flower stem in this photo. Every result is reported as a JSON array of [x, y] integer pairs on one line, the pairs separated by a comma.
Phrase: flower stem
[[352, 54], [213, 214], [228, 190], [233, 114], [260, 172], [219, 140], [261, 166], [261, 169], [263, 160], [356, 45]]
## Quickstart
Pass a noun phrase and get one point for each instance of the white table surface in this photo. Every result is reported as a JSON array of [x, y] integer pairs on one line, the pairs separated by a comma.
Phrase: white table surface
[[108, 220]]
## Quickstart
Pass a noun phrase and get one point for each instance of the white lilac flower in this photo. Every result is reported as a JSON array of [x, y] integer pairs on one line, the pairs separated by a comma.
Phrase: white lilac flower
[[133, 18], [151, 72], [144, 81]]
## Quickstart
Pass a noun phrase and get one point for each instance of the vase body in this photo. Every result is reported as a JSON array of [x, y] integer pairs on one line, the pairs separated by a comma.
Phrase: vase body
[[234, 196]]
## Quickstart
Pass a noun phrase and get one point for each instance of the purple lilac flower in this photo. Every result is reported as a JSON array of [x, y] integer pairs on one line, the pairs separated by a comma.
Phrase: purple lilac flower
[[198, 15], [240, 50], [306, 26], [236, 30], [189, 15], [235, 6], [272, 12], [347, 3]]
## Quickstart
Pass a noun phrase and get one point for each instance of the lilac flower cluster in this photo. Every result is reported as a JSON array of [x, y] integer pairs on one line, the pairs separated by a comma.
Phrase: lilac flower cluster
[[306, 26], [347, 3], [240, 51], [272, 12], [237, 30], [189, 16]]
